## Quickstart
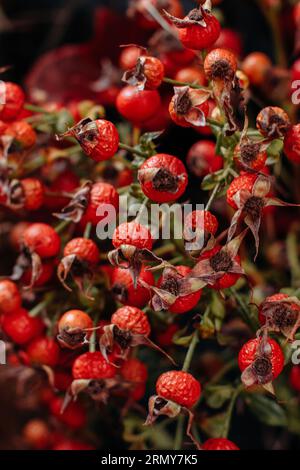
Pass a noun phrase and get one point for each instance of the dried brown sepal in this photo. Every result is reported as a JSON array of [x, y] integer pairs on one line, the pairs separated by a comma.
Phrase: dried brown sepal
[[281, 317], [186, 102], [232, 101], [132, 258], [136, 76], [77, 206], [197, 16], [81, 272], [260, 371], [27, 260], [72, 338], [85, 132]]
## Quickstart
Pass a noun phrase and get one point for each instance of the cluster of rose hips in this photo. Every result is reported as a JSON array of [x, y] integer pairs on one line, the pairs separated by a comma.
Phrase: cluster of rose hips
[[59, 257]]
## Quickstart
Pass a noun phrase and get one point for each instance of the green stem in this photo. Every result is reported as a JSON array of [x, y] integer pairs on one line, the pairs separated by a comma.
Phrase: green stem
[[230, 409], [87, 230], [62, 225], [244, 309], [35, 311], [165, 249], [133, 150], [191, 85], [186, 365], [36, 109], [212, 196]]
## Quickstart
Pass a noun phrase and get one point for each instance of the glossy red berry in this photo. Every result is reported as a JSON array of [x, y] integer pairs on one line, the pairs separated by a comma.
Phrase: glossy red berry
[[163, 178], [179, 387], [183, 303], [199, 36], [10, 297], [148, 73], [220, 64], [74, 319], [14, 100], [123, 288], [138, 105], [131, 319], [20, 327], [99, 139], [43, 351], [248, 352], [33, 193], [73, 416], [219, 444], [42, 239], [132, 233], [92, 365], [101, 195], [243, 182], [256, 66], [202, 159], [292, 144], [84, 248]]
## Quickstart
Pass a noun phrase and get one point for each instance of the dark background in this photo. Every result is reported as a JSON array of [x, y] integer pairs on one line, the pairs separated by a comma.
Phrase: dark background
[[33, 27]]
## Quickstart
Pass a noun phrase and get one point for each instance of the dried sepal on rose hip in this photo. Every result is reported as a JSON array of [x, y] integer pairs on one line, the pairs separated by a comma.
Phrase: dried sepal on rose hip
[[173, 292], [124, 291], [40, 242], [200, 227], [99, 139], [199, 29], [261, 361], [280, 313], [189, 107], [91, 203], [133, 243], [177, 392], [74, 329], [148, 73], [220, 65], [163, 178], [129, 328], [273, 122], [27, 193], [93, 375], [251, 155], [80, 258], [248, 194], [219, 268]]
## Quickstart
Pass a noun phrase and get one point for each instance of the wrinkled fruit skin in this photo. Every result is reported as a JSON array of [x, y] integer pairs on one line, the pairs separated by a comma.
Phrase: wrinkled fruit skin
[[176, 169], [43, 351], [248, 352], [134, 234], [219, 444], [92, 365], [180, 387], [84, 248], [101, 194], [245, 181], [42, 239], [107, 141], [14, 100], [274, 298], [131, 319]]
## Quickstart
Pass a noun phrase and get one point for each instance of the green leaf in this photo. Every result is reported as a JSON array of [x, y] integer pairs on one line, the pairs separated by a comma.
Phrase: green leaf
[[267, 410], [210, 181], [275, 148], [217, 395]]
